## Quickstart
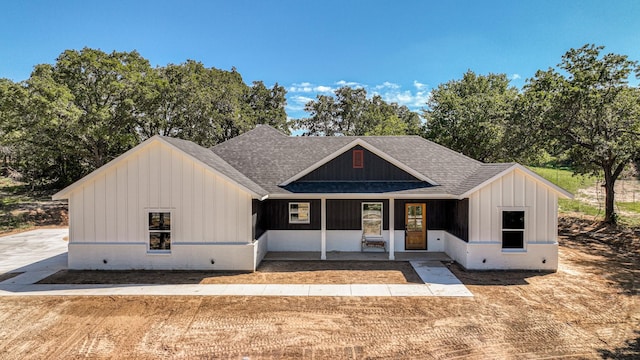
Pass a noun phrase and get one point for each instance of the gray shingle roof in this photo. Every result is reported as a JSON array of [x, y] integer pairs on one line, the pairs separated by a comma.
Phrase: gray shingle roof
[[268, 158], [214, 161]]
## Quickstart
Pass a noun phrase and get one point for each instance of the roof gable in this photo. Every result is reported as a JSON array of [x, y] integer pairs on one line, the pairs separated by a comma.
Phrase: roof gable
[[336, 167], [501, 170], [197, 153]]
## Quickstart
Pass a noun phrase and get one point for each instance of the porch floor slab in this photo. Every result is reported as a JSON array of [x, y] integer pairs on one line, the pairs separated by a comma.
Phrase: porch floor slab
[[355, 256]]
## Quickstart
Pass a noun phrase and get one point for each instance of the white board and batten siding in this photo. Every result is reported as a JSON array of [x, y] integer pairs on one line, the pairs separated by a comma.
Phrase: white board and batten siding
[[515, 191], [109, 214]]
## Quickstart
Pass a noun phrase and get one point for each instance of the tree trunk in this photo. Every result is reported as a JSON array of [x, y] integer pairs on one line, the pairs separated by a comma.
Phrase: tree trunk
[[609, 182]]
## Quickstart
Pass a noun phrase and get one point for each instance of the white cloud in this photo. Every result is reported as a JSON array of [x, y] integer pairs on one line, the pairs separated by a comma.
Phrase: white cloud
[[349, 83], [323, 89], [307, 87], [387, 85], [414, 98], [419, 85], [297, 102], [515, 76]]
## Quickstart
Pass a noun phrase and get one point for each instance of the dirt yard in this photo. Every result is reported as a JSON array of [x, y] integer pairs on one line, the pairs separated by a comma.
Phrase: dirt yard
[[589, 309], [269, 272]]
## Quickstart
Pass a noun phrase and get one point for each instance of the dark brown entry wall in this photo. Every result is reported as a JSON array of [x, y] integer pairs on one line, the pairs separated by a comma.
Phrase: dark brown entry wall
[[448, 214]]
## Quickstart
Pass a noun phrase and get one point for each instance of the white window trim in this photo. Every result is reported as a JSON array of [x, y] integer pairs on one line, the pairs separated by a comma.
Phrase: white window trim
[[381, 214], [149, 231], [308, 221], [523, 249]]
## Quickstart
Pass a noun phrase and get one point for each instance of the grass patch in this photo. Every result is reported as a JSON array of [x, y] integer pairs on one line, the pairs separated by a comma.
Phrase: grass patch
[[22, 208], [11, 198], [565, 178], [572, 183], [629, 206], [572, 205]]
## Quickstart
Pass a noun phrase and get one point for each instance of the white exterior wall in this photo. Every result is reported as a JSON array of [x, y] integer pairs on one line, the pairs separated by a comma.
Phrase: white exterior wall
[[456, 249], [108, 214], [514, 191], [129, 256], [345, 240], [294, 240]]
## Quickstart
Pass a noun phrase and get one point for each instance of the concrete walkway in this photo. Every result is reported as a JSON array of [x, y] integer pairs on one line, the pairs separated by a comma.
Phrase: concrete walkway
[[40, 253]]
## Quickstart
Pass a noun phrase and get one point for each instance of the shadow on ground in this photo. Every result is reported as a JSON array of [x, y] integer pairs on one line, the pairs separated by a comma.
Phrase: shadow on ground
[[629, 352]]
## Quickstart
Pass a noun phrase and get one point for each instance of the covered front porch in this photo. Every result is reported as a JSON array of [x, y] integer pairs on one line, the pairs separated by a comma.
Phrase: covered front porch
[[355, 256]]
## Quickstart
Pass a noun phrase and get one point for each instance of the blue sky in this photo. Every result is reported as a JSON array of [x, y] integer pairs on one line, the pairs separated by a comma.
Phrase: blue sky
[[398, 49]]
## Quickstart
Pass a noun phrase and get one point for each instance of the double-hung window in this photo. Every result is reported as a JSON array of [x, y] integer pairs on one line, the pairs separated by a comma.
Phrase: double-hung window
[[159, 231], [513, 226], [299, 212]]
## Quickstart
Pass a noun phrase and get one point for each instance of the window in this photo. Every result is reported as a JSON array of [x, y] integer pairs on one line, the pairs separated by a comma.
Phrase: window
[[372, 219], [358, 159], [299, 213], [159, 231], [513, 229]]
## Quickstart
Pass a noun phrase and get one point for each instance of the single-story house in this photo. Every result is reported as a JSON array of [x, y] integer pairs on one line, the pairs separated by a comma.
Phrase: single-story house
[[172, 204]]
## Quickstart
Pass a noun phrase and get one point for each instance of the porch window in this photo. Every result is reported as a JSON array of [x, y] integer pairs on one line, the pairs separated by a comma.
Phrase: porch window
[[159, 231], [299, 213], [372, 218], [513, 229]]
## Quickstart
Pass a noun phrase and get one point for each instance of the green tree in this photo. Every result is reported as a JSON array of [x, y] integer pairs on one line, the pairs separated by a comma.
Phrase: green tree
[[352, 113], [72, 117], [469, 115], [206, 105], [40, 128], [588, 110], [103, 87], [268, 105]]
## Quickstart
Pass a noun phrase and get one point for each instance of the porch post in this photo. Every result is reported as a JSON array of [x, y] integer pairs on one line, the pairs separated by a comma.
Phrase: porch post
[[392, 235], [323, 229]]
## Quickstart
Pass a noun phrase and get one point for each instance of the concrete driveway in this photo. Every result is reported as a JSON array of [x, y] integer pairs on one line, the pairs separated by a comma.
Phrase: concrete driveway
[[36, 254]]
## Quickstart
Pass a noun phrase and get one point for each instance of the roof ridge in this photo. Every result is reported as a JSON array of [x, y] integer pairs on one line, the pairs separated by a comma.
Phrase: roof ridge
[[459, 154]]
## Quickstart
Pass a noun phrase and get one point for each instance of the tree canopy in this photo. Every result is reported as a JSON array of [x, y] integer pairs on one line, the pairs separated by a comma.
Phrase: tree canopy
[[587, 109], [470, 115], [72, 117], [352, 113]]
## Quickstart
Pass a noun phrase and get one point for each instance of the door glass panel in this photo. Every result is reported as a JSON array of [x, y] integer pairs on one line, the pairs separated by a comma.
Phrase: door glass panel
[[414, 218]]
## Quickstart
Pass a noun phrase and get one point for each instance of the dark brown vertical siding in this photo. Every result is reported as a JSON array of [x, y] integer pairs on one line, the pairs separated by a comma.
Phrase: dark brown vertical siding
[[345, 214], [460, 214], [276, 214], [257, 209], [449, 215], [375, 169]]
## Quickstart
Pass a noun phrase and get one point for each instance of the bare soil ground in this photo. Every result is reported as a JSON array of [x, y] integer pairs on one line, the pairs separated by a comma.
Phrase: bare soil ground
[[22, 209], [589, 309], [626, 190], [269, 272]]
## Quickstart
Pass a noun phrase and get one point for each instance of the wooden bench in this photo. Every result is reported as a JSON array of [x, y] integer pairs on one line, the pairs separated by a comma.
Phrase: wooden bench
[[373, 242]]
